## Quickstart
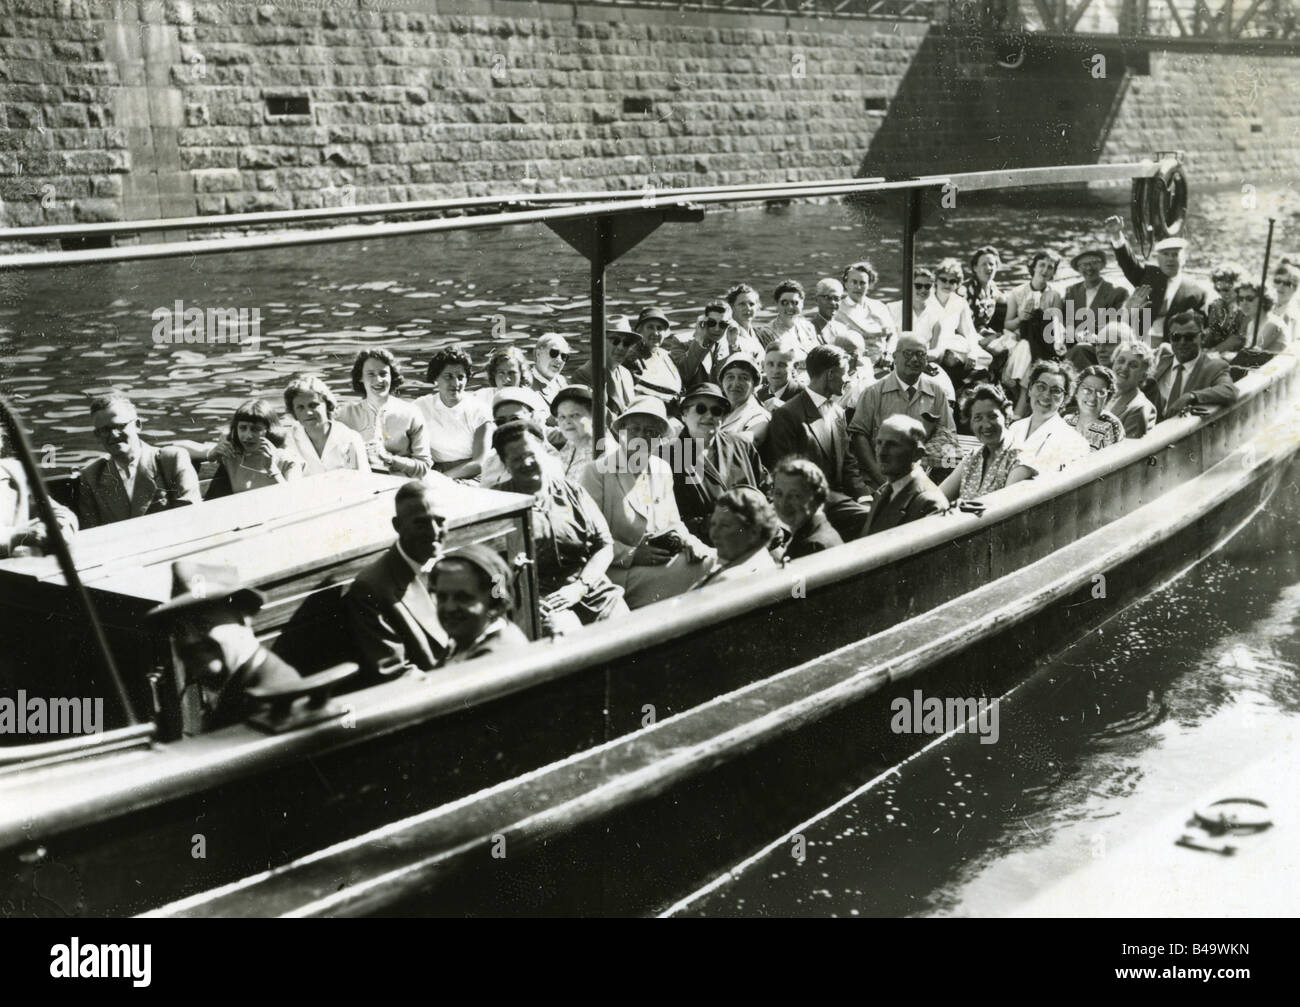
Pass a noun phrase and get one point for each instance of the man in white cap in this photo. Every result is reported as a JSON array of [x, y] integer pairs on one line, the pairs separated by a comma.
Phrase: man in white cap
[[550, 355], [1162, 290]]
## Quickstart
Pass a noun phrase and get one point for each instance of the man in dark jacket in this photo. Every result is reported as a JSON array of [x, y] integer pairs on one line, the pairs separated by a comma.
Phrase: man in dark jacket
[[1185, 375], [798, 496], [908, 495], [1163, 289]]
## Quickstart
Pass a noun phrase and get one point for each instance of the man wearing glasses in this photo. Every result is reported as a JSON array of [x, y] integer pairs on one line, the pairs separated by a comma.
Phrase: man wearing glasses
[[622, 344], [1188, 377], [829, 295], [550, 355], [716, 338], [1162, 289], [907, 390], [136, 478]]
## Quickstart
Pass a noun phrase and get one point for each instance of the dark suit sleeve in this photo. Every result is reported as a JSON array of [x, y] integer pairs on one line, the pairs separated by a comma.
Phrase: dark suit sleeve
[[1135, 423], [927, 503], [1222, 391], [376, 640], [1131, 268], [182, 481], [87, 506], [782, 437], [762, 477], [689, 364]]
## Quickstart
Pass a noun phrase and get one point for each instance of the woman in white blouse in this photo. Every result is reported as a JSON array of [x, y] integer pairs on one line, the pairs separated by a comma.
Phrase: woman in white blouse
[[321, 443], [452, 417], [865, 315], [1030, 307], [1046, 441], [392, 428], [946, 323]]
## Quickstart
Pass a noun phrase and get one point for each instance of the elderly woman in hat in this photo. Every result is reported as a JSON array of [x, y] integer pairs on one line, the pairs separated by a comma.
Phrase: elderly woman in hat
[[738, 376], [653, 367], [571, 409], [472, 587], [743, 526], [622, 344], [655, 556], [706, 461], [573, 545]]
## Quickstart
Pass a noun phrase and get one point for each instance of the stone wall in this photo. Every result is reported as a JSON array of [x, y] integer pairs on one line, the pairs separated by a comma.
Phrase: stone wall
[[126, 110]]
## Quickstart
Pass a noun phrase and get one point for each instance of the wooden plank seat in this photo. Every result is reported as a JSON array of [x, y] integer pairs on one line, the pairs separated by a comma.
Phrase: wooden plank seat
[[300, 544]]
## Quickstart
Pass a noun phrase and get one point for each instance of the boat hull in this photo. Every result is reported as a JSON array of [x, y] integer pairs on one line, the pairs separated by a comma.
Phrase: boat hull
[[437, 743]]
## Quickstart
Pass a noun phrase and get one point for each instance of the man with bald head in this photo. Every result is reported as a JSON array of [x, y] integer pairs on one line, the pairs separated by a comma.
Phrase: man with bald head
[[907, 391], [828, 296], [391, 612], [909, 495]]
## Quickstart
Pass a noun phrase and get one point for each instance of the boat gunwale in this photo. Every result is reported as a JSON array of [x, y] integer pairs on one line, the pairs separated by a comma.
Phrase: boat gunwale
[[127, 783]]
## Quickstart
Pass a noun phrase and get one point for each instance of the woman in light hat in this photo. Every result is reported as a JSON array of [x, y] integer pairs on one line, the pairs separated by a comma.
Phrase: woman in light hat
[[571, 408], [653, 367], [707, 462], [738, 377], [622, 343], [655, 556]]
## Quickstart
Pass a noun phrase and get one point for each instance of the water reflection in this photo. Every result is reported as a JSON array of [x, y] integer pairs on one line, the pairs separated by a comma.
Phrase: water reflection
[[1193, 683], [69, 332]]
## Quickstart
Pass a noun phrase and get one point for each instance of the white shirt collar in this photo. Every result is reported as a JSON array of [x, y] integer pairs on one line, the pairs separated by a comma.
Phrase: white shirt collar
[[417, 568], [817, 399], [900, 482]]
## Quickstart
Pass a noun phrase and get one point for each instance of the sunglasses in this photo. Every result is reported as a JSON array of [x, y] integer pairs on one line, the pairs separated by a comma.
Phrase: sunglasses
[[922, 286], [1247, 297], [1280, 282], [701, 409], [559, 355], [628, 341], [714, 323], [948, 279]]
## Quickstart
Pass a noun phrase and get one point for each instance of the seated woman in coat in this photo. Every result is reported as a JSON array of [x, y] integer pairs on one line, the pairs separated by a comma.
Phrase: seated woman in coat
[[655, 556], [997, 462], [744, 526], [253, 455], [706, 462], [573, 543]]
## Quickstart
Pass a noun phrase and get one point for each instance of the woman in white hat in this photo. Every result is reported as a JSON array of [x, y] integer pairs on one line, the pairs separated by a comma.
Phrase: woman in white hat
[[655, 556]]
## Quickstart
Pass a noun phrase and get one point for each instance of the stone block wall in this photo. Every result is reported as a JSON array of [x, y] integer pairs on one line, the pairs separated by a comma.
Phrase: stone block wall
[[127, 109]]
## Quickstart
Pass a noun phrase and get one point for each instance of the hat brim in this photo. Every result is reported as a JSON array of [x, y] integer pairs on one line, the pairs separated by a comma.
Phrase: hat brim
[[692, 396], [246, 599]]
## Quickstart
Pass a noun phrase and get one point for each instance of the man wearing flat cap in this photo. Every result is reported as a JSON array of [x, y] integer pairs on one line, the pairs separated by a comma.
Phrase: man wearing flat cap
[[208, 621], [1087, 299], [473, 589], [1163, 290], [653, 368]]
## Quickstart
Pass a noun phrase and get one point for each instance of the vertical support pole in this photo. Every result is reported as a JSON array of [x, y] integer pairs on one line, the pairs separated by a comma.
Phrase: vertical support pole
[[599, 248], [911, 219]]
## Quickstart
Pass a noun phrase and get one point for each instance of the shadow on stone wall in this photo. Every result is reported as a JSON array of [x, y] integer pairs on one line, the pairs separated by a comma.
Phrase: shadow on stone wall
[[957, 109]]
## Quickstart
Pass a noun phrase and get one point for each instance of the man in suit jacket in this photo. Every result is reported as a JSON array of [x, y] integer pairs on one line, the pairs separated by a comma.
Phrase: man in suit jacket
[[473, 588], [1169, 291], [391, 612], [136, 478], [812, 425], [1185, 375], [1086, 300], [908, 495]]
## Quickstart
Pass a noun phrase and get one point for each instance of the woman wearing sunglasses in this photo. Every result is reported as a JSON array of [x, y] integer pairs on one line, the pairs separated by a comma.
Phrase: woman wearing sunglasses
[[947, 324], [1046, 440], [1255, 350], [1227, 322], [1093, 420], [622, 343], [706, 462], [1286, 312]]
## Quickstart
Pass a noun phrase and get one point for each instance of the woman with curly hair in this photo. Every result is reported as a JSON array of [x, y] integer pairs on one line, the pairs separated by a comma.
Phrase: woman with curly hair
[[507, 367], [1095, 422], [1046, 441], [743, 527], [252, 455], [789, 324], [452, 417], [392, 428], [996, 462]]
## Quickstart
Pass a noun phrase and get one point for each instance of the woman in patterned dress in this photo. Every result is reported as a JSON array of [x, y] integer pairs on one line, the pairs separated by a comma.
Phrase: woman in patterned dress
[[1098, 425], [996, 462]]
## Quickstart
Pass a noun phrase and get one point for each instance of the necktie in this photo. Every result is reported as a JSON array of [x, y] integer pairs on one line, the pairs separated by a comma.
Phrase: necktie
[[882, 501], [911, 393], [1177, 389]]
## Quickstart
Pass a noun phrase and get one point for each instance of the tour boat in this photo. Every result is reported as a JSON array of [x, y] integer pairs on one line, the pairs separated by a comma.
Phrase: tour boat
[[607, 771]]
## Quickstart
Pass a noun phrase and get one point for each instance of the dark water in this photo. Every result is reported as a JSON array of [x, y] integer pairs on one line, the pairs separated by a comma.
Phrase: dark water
[[1180, 691], [65, 332]]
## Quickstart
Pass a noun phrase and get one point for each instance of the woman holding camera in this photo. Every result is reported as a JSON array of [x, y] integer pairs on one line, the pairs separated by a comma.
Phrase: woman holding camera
[[655, 556]]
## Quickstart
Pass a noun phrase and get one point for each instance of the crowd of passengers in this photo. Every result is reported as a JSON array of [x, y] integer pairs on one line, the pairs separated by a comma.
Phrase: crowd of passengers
[[736, 443]]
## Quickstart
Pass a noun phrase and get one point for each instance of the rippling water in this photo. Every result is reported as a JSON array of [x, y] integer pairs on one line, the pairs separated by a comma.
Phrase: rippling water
[[66, 332], [1184, 689]]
